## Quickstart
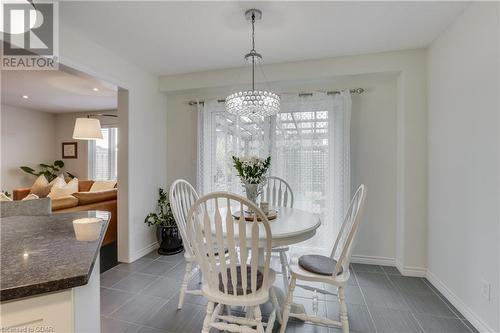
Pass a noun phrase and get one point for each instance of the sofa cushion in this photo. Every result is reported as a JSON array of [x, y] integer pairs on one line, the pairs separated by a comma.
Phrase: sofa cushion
[[40, 187], [102, 185], [64, 202], [60, 189], [4, 197], [31, 196], [85, 198]]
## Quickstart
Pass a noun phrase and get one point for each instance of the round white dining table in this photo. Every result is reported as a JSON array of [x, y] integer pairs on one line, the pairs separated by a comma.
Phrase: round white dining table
[[291, 226]]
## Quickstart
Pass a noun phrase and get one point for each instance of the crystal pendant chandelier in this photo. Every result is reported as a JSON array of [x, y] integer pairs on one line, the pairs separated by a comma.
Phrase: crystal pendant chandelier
[[253, 102]]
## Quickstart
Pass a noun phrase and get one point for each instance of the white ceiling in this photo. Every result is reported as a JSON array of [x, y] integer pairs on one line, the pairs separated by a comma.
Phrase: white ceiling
[[180, 37], [56, 91]]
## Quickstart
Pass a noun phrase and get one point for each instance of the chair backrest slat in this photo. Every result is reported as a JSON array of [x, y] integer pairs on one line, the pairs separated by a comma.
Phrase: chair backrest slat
[[277, 192], [209, 226], [242, 228], [182, 197], [344, 243]]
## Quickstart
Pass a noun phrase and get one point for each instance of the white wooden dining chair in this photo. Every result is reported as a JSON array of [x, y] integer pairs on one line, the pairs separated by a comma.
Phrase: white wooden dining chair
[[182, 197], [278, 193], [333, 270], [240, 279]]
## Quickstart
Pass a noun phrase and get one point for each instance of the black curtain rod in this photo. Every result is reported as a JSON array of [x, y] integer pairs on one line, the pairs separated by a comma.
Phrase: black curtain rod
[[352, 91]]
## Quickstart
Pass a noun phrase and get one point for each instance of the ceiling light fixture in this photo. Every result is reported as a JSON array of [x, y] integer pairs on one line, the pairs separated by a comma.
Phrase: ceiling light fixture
[[95, 89], [253, 102], [25, 96], [89, 128]]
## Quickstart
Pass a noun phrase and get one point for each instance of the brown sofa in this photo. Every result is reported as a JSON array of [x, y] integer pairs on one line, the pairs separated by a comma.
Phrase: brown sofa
[[74, 206]]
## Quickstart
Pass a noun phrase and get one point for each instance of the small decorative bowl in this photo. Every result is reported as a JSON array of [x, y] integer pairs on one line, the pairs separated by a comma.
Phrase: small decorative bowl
[[87, 229]]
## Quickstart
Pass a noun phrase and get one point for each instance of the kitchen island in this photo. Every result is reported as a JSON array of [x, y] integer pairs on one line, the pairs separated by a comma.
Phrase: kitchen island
[[50, 273]]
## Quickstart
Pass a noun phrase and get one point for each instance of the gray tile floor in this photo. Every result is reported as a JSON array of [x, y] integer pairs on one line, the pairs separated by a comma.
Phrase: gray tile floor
[[142, 297]]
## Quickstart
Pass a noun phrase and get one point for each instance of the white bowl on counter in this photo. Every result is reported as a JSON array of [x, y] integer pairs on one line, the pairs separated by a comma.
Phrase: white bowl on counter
[[87, 229]]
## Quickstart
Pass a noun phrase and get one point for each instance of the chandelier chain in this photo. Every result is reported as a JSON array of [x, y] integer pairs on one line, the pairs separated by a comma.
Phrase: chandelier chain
[[253, 50], [253, 31]]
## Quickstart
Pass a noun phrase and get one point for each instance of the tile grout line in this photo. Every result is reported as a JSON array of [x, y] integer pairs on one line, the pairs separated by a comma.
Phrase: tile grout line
[[442, 298], [135, 296], [132, 323], [445, 301], [364, 299], [404, 300], [455, 316], [436, 316], [467, 325], [142, 289]]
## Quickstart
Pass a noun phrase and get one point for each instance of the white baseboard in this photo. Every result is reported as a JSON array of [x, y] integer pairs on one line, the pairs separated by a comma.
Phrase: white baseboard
[[467, 312], [412, 271], [371, 260], [142, 252], [384, 261]]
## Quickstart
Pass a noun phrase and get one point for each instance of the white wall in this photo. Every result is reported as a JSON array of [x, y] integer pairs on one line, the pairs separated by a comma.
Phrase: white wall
[[28, 138], [142, 160], [463, 92], [64, 133], [409, 236], [374, 162]]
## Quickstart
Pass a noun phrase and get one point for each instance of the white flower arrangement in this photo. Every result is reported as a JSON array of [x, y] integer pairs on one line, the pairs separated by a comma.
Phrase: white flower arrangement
[[252, 169]]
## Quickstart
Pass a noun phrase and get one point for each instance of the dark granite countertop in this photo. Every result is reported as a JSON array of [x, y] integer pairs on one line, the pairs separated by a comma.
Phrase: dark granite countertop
[[40, 254]]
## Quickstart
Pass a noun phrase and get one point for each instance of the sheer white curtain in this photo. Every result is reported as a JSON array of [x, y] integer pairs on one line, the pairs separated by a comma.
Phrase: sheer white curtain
[[309, 147], [220, 136], [312, 152]]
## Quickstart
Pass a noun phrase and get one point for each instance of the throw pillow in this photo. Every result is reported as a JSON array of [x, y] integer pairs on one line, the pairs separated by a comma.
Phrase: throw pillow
[[101, 185], [41, 187], [4, 197], [57, 179], [85, 198], [61, 189], [31, 196]]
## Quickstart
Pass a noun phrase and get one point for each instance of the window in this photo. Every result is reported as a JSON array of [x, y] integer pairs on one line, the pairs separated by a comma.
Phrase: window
[[103, 163]]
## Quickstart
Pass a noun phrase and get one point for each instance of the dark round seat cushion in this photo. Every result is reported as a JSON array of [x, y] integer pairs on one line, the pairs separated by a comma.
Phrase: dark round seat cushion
[[318, 264], [239, 281]]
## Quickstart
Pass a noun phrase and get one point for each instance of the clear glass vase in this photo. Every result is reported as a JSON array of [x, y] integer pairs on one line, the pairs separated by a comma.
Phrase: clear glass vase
[[252, 192]]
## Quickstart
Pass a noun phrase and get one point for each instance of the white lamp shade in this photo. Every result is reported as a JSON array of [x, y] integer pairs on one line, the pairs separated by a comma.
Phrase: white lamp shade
[[87, 129]]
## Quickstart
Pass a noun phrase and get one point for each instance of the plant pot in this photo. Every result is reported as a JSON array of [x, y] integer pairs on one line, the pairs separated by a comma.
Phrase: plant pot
[[170, 240]]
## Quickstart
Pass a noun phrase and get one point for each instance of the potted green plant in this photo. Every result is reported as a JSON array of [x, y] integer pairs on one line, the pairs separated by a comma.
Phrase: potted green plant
[[167, 233], [50, 171]]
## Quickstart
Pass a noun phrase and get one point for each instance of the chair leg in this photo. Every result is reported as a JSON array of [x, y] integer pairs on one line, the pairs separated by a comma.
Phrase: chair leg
[[288, 305], [276, 305], [284, 268], [249, 312], [343, 311], [184, 285], [258, 319], [208, 317]]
